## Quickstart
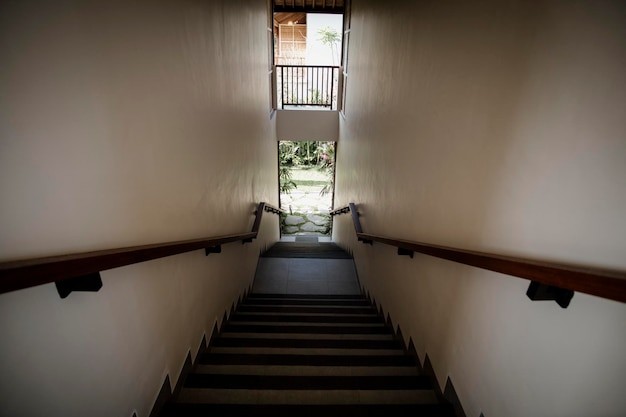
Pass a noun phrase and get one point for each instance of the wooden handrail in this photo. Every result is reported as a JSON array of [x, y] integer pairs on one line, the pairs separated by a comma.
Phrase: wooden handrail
[[16, 275], [603, 283]]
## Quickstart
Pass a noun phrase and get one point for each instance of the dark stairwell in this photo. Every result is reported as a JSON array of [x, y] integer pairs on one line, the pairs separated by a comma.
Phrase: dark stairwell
[[306, 342]]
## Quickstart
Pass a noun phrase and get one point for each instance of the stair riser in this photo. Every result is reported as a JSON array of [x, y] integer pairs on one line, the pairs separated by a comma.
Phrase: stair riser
[[274, 382], [287, 309], [305, 302], [305, 328], [310, 336], [294, 370], [311, 410], [304, 397], [325, 297], [307, 343], [305, 360], [286, 318]]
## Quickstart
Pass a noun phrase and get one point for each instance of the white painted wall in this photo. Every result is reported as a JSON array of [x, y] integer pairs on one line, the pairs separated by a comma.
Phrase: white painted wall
[[307, 125], [125, 123], [497, 127]]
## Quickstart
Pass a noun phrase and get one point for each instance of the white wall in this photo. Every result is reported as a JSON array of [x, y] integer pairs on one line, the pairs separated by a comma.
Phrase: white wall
[[496, 127], [307, 125], [125, 123]]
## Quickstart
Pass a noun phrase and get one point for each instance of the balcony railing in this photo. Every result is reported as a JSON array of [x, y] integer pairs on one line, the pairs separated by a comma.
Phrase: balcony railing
[[307, 86]]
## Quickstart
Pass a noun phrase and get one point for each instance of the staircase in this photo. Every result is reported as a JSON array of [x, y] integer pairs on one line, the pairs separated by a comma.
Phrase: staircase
[[306, 355]]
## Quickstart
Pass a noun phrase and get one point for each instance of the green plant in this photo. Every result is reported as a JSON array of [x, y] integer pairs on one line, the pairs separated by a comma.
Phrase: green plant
[[328, 166], [317, 98], [287, 158], [330, 37], [286, 183]]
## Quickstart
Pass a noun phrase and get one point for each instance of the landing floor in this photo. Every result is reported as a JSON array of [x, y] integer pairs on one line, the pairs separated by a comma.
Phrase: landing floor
[[306, 276]]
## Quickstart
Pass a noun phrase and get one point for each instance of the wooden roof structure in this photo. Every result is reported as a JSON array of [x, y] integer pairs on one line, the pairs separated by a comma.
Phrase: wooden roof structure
[[285, 18], [309, 6]]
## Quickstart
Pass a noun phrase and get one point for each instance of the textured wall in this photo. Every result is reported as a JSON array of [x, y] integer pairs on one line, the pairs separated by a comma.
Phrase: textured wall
[[497, 127], [125, 123]]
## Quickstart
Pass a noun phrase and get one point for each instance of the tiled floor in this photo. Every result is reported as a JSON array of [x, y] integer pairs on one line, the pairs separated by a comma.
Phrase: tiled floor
[[306, 276]]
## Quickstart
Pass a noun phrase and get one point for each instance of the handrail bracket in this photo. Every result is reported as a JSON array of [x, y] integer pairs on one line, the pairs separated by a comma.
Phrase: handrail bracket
[[539, 292], [406, 252], [212, 249], [86, 283]]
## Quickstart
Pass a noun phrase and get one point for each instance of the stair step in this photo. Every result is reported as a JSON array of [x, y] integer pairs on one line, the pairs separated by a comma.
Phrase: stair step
[[355, 410], [299, 382], [291, 355], [316, 309], [306, 302], [305, 397], [305, 336], [304, 351], [306, 296], [305, 328], [308, 370], [306, 318], [306, 343], [305, 360]]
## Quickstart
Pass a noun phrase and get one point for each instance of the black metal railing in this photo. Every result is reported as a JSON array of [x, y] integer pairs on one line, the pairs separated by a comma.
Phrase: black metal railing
[[307, 86]]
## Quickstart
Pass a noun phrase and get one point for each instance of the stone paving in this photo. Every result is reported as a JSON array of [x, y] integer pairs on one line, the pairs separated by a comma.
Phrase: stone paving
[[306, 223], [307, 211]]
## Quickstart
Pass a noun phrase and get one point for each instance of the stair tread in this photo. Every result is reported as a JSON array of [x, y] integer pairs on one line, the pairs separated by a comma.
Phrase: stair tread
[[302, 370], [294, 308], [306, 343], [306, 302], [305, 318], [355, 410], [306, 336], [307, 328], [301, 313], [307, 296], [307, 382], [306, 351], [303, 397], [310, 360]]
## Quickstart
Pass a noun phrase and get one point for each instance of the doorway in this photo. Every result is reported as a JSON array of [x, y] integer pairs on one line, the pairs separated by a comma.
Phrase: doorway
[[306, 171]]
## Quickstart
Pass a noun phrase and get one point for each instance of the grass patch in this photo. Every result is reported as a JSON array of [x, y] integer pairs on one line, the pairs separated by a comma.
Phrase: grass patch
[[310, 182], [308, 174]]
